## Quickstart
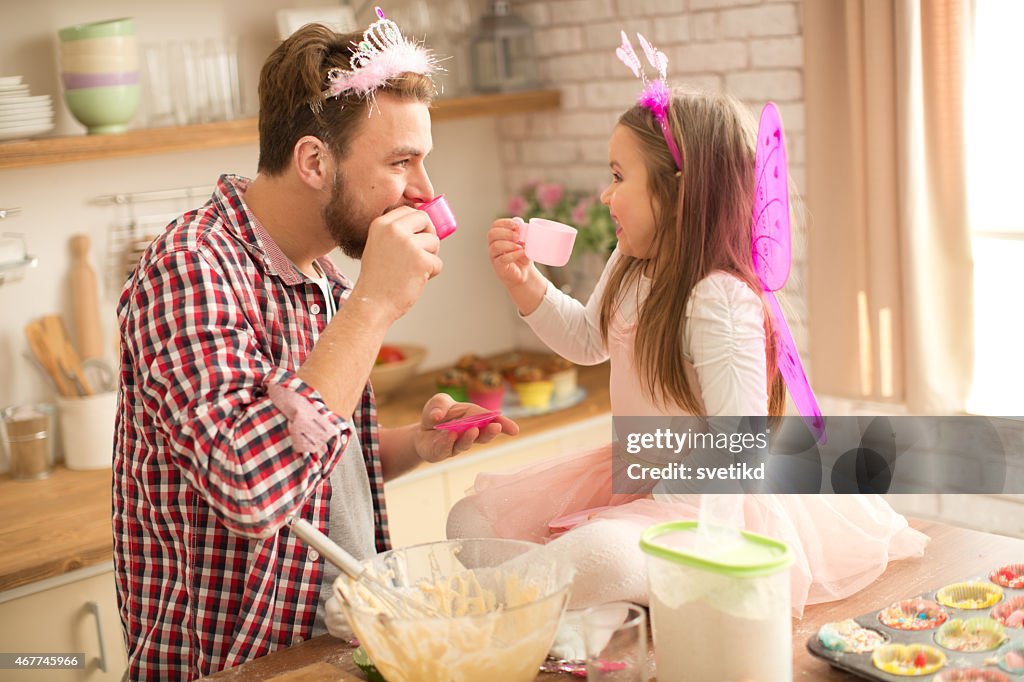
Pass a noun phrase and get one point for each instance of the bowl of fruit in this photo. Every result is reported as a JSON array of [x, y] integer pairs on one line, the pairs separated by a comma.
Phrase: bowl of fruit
[[395, 366]]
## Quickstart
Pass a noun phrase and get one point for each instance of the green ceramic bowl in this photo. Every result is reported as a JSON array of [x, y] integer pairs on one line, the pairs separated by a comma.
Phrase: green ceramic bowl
[[99, 29], [104, 110]]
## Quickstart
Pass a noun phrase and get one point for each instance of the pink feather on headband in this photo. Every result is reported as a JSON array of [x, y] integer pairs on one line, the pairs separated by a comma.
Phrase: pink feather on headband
[[655, 97]]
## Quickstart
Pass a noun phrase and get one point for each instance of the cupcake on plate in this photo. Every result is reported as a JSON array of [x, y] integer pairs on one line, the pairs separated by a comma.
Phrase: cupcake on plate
[[533, 387], [508, 365], [487, 390], [453, 382], [473, 364], [564, 375]]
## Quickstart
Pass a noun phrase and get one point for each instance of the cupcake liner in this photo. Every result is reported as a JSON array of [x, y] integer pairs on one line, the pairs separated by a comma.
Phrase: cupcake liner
[[850, 637], [913, 614], [969, 596], [971, 635], [536, 394], [912, 660], [489, 400], [1011, 658], [1011, 575], [458, 393], [565, 382], [971, 675], [1010, 613]]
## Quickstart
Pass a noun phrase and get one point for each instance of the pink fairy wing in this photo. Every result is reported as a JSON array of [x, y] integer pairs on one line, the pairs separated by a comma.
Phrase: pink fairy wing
[[792, 371], [771, 251], [627, 56], [771, 247]]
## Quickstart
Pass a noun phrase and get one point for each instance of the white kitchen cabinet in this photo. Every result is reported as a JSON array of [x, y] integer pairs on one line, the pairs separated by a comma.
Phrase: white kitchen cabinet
[[418, 502], [74, 613]]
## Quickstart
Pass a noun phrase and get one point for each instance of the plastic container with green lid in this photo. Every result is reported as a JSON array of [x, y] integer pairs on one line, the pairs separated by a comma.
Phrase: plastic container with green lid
[[719, 611]]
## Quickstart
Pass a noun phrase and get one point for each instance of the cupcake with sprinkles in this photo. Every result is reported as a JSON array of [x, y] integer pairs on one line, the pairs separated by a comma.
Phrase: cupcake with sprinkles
[[913, 614], [850, 637], [1010, 613], [1011, 575], [914, 660]]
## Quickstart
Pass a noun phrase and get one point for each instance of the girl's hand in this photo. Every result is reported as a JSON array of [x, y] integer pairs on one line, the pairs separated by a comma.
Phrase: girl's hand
[[508, 257]]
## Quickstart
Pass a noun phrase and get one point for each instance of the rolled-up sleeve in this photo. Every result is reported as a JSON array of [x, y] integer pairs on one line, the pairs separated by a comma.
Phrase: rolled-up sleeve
[[251, 437]]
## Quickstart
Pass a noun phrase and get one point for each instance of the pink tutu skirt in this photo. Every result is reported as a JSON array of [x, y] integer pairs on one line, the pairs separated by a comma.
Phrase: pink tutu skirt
[[842, 543]]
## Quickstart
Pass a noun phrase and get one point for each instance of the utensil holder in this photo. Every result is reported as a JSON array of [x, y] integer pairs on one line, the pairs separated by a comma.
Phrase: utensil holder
[[87, 430]]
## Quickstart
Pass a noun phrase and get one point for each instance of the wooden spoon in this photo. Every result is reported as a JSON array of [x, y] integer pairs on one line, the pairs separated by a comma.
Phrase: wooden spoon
[[67, 358], [37, 341]]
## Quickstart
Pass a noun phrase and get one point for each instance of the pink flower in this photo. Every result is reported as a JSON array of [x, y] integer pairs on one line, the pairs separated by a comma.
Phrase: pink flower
[[548, 195], [517, 205], [579, 214]]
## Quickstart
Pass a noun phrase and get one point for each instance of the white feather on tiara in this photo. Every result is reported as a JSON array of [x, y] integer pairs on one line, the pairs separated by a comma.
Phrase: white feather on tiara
[[382, 54]]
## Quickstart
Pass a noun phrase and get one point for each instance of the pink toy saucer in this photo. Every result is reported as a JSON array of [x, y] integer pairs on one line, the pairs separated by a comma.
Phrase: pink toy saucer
[[463, 424]]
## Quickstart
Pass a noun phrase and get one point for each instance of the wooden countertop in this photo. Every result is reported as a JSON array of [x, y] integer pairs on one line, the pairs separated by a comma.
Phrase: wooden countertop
[[953, 553], [63, 523], [54, 525]]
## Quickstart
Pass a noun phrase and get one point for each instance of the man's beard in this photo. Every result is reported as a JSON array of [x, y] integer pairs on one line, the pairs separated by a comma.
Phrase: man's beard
[[347, 228]]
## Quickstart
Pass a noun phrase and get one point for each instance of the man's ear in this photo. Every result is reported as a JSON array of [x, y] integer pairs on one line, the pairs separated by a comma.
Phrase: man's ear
[[312, 161]]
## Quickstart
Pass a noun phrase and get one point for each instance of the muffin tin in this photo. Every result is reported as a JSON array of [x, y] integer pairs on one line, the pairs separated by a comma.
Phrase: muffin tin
[[966, 631]]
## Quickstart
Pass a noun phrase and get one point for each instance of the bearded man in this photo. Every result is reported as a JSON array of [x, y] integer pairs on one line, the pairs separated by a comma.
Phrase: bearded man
[[244, 399]]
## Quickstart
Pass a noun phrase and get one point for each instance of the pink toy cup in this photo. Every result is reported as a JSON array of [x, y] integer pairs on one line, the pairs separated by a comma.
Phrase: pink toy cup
[[546, 241], [441, 215]]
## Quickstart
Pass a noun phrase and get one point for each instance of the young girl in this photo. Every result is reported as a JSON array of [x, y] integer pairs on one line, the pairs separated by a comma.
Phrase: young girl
[[679, 313]]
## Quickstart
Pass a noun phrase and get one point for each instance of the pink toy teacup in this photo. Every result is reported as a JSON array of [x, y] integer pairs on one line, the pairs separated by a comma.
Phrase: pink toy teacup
[[441, 215], [547, 241]]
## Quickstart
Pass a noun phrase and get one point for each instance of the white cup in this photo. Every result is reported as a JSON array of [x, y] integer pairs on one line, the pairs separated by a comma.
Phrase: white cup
[[87, 430]]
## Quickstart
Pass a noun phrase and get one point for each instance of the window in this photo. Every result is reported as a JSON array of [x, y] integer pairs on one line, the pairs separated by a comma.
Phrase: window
[[995, 185]]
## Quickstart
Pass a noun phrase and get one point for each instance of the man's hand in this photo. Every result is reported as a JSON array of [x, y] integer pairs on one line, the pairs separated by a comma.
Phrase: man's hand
[[433, 445], [399, 258]]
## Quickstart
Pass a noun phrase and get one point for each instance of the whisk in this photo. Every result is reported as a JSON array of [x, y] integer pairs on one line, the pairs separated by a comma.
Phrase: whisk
[[396, 604]]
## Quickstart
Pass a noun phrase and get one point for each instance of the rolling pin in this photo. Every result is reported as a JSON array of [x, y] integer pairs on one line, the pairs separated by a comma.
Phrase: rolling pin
[[84, 300]]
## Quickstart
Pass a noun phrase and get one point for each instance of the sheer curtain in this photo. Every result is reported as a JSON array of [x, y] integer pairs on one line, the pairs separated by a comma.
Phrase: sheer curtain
[[889, 259]]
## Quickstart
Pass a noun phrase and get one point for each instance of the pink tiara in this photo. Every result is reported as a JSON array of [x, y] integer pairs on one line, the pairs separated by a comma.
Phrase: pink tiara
[[382, 54], [655, 95]]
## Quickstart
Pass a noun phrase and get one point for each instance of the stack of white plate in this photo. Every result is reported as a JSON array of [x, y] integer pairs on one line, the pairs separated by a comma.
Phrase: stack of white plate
[[22, 115]]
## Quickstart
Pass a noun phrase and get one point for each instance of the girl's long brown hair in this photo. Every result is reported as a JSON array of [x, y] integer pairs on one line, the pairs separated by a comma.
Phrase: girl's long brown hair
[[702, 224]]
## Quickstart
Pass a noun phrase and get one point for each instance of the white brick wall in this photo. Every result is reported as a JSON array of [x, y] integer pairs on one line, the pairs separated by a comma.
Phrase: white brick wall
[[750, 48]]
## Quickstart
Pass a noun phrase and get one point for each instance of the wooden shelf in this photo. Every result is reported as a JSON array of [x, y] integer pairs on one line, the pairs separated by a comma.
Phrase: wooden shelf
[[56, 150]]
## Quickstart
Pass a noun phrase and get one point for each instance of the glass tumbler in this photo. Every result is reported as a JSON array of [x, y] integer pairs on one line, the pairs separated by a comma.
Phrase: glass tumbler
[[615, 635]]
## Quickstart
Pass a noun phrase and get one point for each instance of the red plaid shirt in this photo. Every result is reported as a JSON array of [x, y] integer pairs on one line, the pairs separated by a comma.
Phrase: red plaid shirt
[[205, 472]]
